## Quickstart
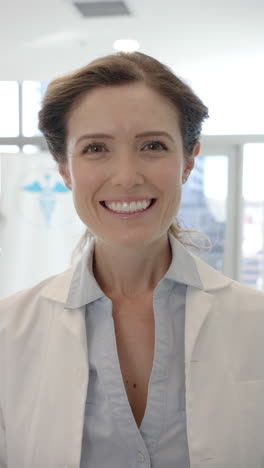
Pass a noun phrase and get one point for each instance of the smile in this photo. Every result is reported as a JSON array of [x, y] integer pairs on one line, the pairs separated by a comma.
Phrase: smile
[[126, 210], [128, 207]]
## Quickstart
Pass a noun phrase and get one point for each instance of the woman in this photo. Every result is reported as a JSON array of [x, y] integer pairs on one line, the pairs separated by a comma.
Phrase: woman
[[141, 354]]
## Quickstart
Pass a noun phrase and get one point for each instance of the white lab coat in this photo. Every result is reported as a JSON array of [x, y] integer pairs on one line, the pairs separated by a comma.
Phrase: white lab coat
[[44, 375]]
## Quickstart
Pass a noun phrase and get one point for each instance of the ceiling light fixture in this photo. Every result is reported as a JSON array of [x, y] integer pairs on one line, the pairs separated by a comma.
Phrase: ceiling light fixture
[[126, 45]]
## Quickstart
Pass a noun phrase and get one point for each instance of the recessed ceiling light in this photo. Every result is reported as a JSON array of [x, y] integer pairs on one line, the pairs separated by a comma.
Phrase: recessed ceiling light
[[126, 45]]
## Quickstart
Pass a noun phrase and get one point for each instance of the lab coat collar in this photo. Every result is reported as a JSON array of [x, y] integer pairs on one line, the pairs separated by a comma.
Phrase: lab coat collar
[[206, 277]]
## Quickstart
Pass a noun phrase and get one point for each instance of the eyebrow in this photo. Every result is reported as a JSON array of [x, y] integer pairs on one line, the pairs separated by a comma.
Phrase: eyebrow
[[104, 135]]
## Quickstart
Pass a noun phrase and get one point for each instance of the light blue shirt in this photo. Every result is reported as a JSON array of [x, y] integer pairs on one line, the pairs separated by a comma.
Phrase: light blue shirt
[[111, 438]]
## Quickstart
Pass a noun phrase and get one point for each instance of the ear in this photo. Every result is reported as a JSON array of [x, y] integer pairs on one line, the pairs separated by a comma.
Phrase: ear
[[189, 164], [64, 172], [196, 149]]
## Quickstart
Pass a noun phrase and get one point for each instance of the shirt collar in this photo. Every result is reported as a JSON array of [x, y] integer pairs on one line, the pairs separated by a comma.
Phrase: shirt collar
[[85, 289]]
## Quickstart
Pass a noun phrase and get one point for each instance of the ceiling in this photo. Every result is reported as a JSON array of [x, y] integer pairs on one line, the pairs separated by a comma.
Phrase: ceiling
[[220, 42], [40, 39]]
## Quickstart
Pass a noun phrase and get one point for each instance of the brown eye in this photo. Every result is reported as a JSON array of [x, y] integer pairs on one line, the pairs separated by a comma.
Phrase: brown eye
[[93, 146], [156, 145]]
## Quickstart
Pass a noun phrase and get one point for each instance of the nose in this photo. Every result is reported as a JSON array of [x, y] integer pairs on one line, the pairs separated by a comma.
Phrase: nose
[[128, 171]]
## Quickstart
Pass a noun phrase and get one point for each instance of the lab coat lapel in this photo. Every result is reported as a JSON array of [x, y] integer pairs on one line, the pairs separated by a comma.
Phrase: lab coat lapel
[[211, 406], [57, 425], [198, 306]]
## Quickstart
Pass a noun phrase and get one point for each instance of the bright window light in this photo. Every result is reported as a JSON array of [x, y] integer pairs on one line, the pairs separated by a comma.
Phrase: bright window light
[[32, 94], [30, 149], [9, 149], [9, 114]]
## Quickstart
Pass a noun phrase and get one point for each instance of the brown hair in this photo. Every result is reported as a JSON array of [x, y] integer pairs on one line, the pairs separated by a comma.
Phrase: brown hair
[[118, 69]]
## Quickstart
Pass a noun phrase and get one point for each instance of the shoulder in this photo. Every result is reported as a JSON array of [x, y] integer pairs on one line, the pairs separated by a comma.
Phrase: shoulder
[[245, 297], [53, 287], [221, 285]]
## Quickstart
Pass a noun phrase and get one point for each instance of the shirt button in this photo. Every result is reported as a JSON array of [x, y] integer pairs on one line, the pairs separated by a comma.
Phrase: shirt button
[[141, 457]]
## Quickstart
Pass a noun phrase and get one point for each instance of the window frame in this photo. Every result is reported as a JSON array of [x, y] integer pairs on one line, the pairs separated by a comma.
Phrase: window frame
[[22, 140], [233, 147]]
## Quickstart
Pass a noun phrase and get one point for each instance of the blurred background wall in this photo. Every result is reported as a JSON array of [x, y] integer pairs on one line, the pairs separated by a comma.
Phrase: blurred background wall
[[216, 47]]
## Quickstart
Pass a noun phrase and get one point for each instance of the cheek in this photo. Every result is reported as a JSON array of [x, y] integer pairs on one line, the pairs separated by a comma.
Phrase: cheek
[[170, 178], [86, 179]]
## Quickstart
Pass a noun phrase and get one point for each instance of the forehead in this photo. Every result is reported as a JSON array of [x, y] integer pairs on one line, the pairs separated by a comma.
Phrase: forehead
[[127, 106]]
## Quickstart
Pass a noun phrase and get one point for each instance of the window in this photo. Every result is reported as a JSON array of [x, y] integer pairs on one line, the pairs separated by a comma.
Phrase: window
[[20, 103], [9, 109], [203, 206], [253, 216], [32, 94]]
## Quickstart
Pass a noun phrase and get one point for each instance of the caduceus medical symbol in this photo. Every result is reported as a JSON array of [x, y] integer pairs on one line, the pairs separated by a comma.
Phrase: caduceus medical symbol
[[47, 198]]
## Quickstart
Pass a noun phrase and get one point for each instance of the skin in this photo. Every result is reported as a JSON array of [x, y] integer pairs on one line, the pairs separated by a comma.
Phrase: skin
[[131, 255]]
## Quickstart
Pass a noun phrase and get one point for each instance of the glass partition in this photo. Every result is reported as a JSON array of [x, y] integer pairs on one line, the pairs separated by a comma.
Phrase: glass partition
[[252, 268], [204, 206]]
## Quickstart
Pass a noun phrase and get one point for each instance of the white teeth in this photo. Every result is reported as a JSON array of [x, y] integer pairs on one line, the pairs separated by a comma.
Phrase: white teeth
[[128, 207]]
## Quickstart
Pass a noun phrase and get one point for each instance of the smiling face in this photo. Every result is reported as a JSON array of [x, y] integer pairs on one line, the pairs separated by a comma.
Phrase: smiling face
[[125, 162]]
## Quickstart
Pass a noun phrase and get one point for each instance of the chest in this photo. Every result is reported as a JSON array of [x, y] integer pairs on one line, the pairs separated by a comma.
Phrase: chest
[[135, 340]]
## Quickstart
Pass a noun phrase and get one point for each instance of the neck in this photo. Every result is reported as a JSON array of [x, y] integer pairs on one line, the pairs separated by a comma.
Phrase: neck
[[131, 273]]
